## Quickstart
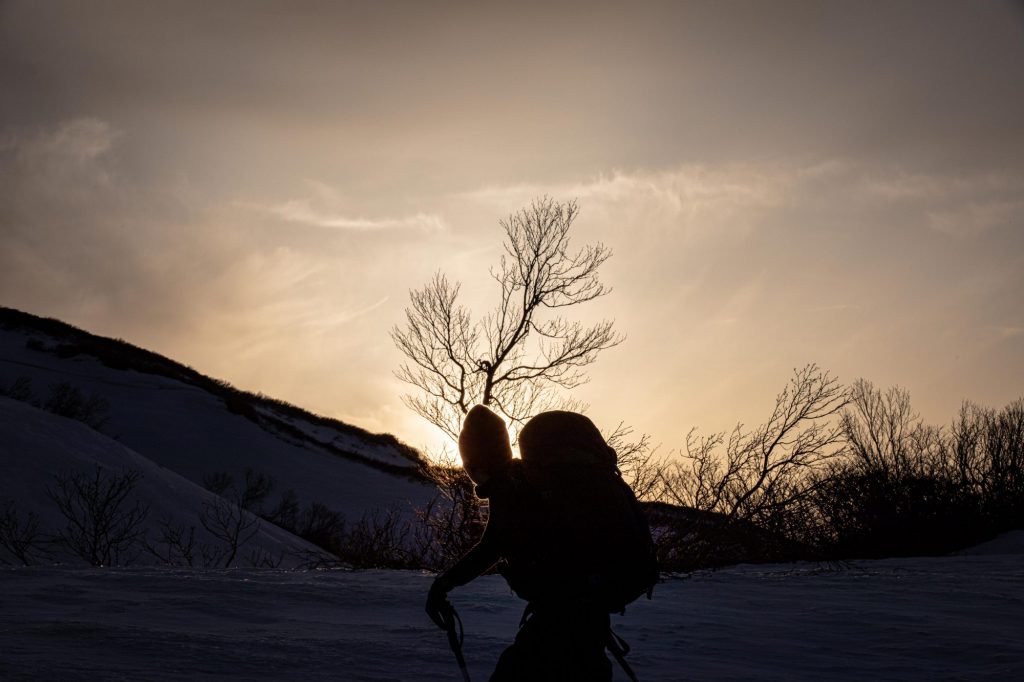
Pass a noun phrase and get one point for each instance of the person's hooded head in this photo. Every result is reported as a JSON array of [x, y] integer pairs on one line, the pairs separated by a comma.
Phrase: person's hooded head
[[484, 444]]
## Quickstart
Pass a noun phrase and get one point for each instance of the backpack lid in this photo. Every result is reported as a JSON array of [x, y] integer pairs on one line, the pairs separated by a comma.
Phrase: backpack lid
[[562, 432]]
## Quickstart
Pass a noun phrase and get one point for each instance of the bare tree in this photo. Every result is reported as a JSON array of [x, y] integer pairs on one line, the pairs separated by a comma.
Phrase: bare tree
[[517, 356], [218, 482], [255, 489], [20, 536], [101, 526], [263, 558], [905, 487], [739, 475], [67, 401], [756, 478], [885, 435], [379, 540], [177, 544], [987, 457], [230, 523], [19, 389], [286, 512], [453, 521], [322, 526], [641, 469]]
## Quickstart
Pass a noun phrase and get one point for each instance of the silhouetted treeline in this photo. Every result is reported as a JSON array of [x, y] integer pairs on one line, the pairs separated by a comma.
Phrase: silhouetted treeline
[[907, 488], [864, 477]]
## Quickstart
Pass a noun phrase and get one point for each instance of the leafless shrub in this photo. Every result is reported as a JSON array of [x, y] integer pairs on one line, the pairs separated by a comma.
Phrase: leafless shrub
[[102, 527], [747, 483], [176, 546], [883, 434], [453, 521], [256, 489], [311, 560], [231, 525], [285, 513], [262, 558], [218, 482], [212, 556], [67, 401], [379, 540], [321, 526], [19, 389], [905, 487], [637, 461], [20, 536], [987, 456]]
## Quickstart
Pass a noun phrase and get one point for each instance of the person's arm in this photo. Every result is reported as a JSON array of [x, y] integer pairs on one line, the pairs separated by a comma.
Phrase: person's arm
[[475, 562], [484, 554]]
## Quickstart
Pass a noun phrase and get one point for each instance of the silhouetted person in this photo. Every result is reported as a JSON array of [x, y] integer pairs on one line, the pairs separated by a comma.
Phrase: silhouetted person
[[564, 633]]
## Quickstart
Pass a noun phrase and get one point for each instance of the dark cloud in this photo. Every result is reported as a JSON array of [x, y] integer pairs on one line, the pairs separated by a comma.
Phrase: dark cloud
[[80, 238], [407, 89]]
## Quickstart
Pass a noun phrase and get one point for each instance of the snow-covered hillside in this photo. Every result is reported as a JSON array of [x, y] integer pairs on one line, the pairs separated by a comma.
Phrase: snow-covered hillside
[[953, 618], [39, 446], [195, 426]]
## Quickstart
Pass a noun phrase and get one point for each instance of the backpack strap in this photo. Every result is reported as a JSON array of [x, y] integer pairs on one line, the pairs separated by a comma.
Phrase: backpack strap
[[527, 612]]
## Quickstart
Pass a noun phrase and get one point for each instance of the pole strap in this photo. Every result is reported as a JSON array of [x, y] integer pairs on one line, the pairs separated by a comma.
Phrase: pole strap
[[456, 635], [620, 649]]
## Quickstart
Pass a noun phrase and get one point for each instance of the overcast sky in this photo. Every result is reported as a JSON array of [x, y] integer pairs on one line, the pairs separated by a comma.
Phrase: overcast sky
[[253, 188]]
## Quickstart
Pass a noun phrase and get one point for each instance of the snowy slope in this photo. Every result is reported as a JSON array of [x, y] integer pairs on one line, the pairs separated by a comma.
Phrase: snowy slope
[[175, 421], [954, 618], [1007, 543], [37, 445]]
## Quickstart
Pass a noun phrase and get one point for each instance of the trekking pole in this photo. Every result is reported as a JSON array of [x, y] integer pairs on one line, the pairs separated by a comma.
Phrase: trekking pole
[[453, 626]]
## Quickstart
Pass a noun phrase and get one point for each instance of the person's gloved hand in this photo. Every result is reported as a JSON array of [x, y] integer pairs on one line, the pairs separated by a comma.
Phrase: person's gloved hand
[[437, 602]]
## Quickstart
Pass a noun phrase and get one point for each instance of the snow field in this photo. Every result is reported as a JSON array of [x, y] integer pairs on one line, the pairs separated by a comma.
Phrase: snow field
[[952, 618]]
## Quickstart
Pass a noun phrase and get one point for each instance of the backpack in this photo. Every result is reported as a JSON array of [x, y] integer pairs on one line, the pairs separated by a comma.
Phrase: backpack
[[592, 541]]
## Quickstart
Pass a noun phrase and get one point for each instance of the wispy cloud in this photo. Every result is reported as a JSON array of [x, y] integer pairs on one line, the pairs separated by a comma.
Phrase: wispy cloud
[[349, 315], [961, 205], [904, 185], [80, 139], [975, 217], [689, 188], [303, 211], [837, 307], [1009, 332]]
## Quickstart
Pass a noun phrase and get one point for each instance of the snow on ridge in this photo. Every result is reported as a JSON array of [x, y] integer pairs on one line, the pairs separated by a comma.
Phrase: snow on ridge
[[334, 439]]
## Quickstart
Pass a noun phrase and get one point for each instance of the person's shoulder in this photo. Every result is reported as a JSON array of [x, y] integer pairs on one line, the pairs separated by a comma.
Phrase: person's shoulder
[[517, 476], [514, 469], [512, 481]]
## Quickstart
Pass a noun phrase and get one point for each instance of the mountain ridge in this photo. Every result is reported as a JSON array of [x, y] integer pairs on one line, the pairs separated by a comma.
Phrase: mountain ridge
[[200, 428], [271, 414]]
